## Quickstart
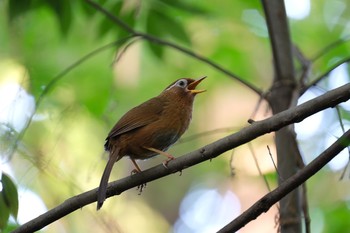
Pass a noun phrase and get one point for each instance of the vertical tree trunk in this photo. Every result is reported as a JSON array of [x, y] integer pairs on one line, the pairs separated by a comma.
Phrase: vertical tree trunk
[[288, 163], [281, 97]]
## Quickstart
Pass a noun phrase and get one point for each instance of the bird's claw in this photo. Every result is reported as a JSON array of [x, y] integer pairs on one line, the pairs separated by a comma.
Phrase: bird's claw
[[141, 187], [134, 171], [165, 163]]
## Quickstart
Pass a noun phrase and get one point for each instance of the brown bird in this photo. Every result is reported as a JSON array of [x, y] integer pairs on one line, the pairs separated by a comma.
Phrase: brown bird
[[150, 128]]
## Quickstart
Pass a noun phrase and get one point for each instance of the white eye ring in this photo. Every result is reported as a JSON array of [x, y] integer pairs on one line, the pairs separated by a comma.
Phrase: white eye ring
[[182, 83]]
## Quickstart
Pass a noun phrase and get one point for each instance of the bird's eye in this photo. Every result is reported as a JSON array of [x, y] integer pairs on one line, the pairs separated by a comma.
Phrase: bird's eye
[[182, 83]]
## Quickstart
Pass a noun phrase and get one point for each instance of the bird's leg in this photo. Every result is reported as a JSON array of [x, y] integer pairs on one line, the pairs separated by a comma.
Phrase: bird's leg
[[169, 156], [135, 171], [137, 168]]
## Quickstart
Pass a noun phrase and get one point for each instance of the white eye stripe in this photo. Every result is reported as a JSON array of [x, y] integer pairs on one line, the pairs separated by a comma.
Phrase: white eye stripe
[[180, 83]]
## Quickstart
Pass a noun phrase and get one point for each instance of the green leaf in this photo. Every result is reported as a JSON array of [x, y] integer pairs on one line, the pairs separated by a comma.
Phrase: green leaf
[[161, 24], [185, 6], [4, 213], [63, 12], [9, 194], [156, 49], [10, 227], [337, 216], [88, 9], [106, 24], [127, 16], [17, 8]]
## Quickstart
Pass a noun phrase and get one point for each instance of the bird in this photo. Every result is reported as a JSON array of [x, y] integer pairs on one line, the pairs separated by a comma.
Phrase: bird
[[150, 128]]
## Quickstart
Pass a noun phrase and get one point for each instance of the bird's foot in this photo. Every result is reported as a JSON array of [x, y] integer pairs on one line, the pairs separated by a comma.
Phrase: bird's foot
[[165, 163], [134, 171], [141, 186]]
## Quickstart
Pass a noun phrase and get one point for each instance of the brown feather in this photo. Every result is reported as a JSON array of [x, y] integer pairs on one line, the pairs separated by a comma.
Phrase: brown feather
[[136, 117], [150, 128]]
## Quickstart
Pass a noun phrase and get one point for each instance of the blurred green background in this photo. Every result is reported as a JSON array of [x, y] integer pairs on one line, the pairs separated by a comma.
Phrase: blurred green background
[[61, 152]]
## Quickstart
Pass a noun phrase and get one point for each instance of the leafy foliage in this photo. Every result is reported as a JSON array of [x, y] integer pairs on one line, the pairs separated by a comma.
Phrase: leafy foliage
[[8, 200], [62, 9], [64, 141]]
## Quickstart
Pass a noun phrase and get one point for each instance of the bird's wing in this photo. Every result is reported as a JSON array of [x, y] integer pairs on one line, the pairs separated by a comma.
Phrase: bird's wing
[[137, 117]]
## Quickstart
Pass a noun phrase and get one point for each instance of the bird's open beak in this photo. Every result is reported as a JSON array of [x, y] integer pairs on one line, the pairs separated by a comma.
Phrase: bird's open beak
[[191, 87]]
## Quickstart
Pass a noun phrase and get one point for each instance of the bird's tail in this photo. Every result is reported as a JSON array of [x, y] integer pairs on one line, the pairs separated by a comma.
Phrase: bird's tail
[[102, 190]]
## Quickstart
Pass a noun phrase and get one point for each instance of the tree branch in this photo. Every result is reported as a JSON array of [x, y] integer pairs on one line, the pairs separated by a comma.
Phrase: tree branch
[[265, 203], [293, 115], [284, 95], [184, 50], [325, 74], [280, 40]]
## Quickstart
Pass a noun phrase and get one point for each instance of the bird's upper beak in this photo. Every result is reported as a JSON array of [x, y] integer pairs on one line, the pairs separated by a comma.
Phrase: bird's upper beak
[[191, 87]]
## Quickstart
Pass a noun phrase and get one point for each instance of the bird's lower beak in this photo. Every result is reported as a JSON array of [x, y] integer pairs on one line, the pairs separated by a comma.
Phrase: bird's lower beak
[[191, 87]]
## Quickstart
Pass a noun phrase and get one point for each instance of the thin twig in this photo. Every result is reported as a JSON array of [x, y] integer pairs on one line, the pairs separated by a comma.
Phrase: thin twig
[[258, 166], [59, 76], [305, 66], [120, 54], [184, 50], [257, 106], [50, 85], [343, 129], [273, 161], [232, 168], [330, 47], [305, 208], [325, 74]]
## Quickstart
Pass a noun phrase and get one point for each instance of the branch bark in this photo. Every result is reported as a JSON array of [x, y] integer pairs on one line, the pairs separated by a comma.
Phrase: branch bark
[[265, 203], [208, 152], [284, 95], [276, 20]]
